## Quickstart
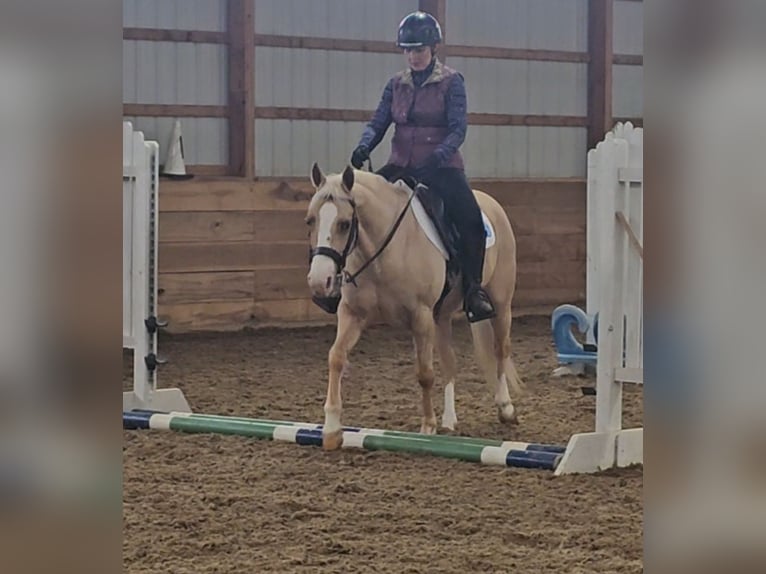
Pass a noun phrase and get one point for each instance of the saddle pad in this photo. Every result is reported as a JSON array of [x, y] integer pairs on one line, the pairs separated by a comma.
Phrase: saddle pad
[[428, 226], [430, 230], [488, 230]]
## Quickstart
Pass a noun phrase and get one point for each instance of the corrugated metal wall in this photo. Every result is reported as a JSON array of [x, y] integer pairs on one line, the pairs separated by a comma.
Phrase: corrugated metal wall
[[326, 79], [522, 87], [178, 73], [525, 88], [208, 15], [321, 79], [531, 24], [628, 38], [355, 19], [316, 79], [186, 73]]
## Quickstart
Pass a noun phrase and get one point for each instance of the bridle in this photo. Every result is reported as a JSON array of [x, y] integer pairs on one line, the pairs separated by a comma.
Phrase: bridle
[[340, 257], [342, 276]]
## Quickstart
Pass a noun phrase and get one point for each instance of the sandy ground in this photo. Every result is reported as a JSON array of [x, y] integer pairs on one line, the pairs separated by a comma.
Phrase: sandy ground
[[204, 503]]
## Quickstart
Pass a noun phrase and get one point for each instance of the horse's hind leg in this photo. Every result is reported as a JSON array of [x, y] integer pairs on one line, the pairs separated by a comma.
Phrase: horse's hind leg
[[423, 336], [349, 330], [448, 369]]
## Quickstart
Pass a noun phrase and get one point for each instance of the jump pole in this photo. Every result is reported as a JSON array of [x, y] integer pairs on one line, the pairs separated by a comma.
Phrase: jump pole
[[484, 451]]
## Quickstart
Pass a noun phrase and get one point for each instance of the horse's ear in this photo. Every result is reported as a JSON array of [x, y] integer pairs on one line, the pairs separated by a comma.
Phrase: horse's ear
[[317, 177], [348, 178]]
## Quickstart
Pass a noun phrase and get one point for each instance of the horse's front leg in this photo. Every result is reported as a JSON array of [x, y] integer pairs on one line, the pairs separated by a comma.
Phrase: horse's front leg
[[349, 330], [423, 331]]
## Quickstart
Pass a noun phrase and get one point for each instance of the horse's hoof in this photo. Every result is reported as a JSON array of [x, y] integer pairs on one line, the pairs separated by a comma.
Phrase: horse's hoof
[[333, 440], [428, 428], [506, 414], [448, 423]]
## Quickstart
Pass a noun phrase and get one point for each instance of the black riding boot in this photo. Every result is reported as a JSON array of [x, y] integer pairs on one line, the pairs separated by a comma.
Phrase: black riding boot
[[476, 302], [461, 208]]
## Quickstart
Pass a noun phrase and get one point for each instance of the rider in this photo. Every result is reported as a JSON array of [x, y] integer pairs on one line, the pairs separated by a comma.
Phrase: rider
[[427, 103]]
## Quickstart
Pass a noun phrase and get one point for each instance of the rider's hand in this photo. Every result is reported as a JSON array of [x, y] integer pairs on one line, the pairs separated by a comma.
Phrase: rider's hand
[[425, 171], [359, 156]]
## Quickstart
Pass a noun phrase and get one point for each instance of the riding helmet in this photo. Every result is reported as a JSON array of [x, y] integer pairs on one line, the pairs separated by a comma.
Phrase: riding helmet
[[418, 29]]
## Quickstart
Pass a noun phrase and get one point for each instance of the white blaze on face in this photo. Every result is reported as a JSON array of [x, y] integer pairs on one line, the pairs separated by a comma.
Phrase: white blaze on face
[[322, 268]]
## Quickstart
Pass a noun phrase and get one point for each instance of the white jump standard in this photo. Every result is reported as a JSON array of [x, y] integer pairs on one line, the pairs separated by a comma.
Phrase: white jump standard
[[140, 188], [615, 274]]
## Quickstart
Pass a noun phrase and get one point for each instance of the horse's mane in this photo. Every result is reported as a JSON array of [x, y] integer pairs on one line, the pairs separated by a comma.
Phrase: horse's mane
[[373, 181], [370, 181]]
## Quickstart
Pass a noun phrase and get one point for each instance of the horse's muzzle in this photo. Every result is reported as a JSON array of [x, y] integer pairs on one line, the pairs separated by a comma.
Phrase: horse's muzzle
[[329, 302]]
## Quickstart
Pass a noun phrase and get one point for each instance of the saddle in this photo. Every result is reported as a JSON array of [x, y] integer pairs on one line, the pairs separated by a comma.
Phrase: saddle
[[434, 207]]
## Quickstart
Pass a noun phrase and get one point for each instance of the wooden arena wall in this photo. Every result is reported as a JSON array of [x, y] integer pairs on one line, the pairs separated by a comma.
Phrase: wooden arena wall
[[233, 253]]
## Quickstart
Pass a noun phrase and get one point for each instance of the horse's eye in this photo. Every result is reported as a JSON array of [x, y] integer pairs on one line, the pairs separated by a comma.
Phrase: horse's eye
[[344, 226], [310, 221]]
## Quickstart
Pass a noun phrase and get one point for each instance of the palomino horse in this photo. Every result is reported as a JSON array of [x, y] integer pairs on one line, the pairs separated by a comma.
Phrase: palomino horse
[[367, 243]]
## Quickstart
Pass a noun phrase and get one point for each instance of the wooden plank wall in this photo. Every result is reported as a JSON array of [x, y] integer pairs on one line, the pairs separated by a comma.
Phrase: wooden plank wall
[[234, 253]]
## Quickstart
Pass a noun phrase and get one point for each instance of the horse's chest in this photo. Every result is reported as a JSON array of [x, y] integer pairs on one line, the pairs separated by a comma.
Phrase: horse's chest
[[378, 305]]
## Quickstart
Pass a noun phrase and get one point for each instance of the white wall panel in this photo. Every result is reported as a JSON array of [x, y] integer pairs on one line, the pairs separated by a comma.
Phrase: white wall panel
[[557, 152], [520, 87], [520, 151], [628, 27], [355, 19], [558, 25], [206, 15], [321, 78], [349, 80], [174, 73], [628, 91], [289, 147], [525, 24], [627, 87]]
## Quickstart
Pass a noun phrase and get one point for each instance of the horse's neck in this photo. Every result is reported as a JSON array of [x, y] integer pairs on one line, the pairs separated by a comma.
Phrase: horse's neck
[[377, 210]]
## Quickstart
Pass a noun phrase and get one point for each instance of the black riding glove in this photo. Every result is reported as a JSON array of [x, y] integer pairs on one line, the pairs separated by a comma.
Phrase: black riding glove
[[359, 156], [425, 171]]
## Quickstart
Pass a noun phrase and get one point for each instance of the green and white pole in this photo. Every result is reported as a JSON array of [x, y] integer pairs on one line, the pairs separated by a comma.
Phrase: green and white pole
[[485, 451]]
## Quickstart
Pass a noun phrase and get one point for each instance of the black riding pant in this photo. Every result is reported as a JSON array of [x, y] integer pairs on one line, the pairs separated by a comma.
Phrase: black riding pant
[[463, 211]]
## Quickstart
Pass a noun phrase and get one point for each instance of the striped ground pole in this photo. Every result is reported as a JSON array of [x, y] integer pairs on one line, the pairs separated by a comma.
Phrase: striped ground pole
[[485, 451]]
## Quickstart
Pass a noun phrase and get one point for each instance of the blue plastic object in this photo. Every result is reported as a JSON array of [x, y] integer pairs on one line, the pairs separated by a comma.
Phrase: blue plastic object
[[569, 350]]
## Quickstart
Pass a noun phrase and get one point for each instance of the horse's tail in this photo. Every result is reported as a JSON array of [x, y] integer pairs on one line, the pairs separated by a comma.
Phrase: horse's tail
[[518, 387], [492, 352], [484, 348]]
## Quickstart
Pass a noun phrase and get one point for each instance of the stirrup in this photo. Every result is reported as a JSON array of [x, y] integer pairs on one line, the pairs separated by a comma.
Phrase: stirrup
[[482, 309]]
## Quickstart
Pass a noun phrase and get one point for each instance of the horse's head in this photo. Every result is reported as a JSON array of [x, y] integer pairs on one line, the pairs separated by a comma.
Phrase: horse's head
[[333, 229]]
